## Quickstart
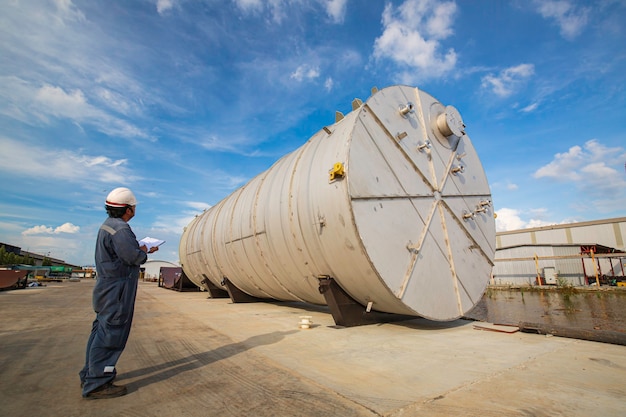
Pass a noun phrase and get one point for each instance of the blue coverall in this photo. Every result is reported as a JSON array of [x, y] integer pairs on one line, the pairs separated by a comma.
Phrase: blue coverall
[[118, 258]]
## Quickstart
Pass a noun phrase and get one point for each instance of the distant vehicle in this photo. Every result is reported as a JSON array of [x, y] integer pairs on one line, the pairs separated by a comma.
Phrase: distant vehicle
[[57, 273]]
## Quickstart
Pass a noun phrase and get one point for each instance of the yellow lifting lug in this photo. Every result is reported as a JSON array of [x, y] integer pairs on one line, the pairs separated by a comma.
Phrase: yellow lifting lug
[[337, 171]]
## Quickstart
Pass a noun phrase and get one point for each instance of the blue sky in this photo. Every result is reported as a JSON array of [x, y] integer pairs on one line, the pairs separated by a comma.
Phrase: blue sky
[[184, 101]]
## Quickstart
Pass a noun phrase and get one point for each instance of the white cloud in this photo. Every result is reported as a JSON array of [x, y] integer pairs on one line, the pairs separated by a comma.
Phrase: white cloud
[[328, 84], [164, 5], [54, 101], [59, 103], [412, 38], [69, 247], [249, 5], [66, 59], [68, 228], [198, 205], [564, 166], [505, 184], [508, 219], [115, 101], [169, 227], [240, 145], [305, 71], [570, 19], [336, 9], [509, 79], [530, 108], [173, 223], [68, 11], [53, 164], [590, 163], [276, 8], [35, 105], [595, 172], [511, 219], [38, 230]]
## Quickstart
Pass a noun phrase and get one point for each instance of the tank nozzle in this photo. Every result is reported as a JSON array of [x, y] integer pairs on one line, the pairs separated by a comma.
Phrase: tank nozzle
[[450, 122], [408, 108], [457, 169], [424, 147]]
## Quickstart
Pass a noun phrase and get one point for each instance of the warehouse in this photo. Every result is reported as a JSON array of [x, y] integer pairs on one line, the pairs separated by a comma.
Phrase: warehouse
[[558, 265], [608, 232], [151, 270], [570, 254]]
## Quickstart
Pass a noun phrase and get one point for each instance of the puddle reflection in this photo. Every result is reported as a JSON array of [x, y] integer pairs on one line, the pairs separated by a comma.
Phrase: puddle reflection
[[599, 310]]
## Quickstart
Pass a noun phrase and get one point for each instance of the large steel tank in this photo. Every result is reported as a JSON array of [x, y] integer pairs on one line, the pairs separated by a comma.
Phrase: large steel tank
[[391, 201]]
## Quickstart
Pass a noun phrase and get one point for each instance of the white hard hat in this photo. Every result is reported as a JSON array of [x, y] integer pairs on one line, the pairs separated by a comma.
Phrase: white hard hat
[[121, 197]]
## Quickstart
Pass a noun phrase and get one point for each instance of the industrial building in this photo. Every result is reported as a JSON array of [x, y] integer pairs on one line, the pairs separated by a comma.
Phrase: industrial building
[[37, 258], [575, 254], [151, 270]]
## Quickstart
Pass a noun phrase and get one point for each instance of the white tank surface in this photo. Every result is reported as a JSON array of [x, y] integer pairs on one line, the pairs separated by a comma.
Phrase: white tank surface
[[391, 201]]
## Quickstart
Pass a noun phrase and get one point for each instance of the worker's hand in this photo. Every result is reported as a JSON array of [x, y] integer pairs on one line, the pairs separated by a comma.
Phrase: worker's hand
[[152, 249]]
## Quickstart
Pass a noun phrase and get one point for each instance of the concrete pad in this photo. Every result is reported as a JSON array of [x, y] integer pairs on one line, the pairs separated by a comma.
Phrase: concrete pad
[[192, 356]]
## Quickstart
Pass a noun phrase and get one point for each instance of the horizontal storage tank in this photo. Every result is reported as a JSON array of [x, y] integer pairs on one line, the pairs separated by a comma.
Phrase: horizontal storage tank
[[391, 201]]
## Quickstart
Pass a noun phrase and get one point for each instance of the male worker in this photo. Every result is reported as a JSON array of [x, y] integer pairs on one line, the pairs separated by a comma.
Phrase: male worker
[[118, 256]]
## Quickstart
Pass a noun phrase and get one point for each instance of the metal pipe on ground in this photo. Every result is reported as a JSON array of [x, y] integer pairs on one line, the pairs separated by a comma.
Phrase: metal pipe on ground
[[604, 336]]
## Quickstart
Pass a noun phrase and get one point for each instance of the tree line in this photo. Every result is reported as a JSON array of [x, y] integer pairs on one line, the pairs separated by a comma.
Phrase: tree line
[[10, 258]]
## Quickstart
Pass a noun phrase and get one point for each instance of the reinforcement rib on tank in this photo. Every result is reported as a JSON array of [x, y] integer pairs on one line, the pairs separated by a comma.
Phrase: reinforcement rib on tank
[[391, 201]]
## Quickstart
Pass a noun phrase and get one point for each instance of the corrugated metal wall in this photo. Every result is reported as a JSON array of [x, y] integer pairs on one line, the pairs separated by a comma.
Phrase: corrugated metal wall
[[520, 272], [558, 241], [517, 265], [509, 270], [608, 232], [570, 270]]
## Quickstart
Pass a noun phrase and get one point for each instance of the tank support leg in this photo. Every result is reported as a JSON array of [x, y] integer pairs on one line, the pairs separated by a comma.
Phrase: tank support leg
[[344, 309], [236, 295], [214, 290], [347, 312]]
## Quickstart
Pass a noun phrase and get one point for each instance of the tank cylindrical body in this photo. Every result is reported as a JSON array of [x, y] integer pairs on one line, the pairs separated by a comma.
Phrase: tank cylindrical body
[[391, 201]]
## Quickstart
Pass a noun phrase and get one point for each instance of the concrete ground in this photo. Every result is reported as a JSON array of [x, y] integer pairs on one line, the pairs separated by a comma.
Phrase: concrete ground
[[192, 356]]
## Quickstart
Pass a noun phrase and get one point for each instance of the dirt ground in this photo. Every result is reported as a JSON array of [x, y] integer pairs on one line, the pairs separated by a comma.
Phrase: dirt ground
[[192, 356]]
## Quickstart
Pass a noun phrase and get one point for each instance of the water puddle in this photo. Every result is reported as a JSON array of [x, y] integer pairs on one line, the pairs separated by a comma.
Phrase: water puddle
[[584, 310]]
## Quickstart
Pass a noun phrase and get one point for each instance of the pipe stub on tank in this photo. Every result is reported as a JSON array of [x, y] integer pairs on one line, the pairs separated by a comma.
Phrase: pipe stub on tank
[[450, 122]]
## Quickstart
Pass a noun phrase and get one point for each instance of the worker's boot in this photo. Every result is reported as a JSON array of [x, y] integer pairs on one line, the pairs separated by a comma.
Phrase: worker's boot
[[108, 390]]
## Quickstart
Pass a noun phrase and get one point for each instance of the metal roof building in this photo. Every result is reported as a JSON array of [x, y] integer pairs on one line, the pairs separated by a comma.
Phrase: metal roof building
[[568, 254], [152, 268], [608, 232]]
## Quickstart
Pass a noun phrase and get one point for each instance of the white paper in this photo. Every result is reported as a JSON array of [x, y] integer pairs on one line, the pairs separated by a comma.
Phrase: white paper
[[150, 242]]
